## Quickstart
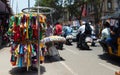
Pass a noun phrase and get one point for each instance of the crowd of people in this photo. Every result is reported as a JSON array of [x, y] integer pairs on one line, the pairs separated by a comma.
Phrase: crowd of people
[[109, 37], [87, 29]]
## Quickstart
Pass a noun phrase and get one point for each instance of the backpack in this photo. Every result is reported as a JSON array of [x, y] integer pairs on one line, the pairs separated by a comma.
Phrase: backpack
[[88, 29]]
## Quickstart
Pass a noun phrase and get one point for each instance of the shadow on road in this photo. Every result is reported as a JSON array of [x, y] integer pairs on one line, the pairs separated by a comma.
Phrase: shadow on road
[[50, 59], [23, 71], [84, 49], [69, 44], [2, 46], [110, 59]]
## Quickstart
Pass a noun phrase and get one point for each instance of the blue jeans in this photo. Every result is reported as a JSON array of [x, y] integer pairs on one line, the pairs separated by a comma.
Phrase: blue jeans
[[112, 43]]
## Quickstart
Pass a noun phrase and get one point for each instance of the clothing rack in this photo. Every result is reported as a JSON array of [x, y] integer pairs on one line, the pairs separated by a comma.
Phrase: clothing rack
[[27, 30]]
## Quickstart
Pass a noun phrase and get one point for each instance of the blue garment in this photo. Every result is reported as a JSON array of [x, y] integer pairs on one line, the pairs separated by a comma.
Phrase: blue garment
[[112, 42], [68, 30]]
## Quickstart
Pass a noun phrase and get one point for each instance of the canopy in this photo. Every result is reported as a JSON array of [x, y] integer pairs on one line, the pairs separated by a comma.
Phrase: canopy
[[105, 17], [116, 15]]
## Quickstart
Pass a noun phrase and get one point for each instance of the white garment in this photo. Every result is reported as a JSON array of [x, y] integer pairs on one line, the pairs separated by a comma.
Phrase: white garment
[[81, 29], [93, 29], [53, 51], [105, 33]]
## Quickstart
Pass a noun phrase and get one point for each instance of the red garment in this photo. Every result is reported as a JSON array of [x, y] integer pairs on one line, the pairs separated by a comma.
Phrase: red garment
[[16, 30], [35, 31], [58, 29]]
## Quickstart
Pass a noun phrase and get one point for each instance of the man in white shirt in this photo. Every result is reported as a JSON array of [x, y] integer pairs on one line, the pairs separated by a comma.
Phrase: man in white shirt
[[82, 27], [93, 37], [82, 33], [105, 35]]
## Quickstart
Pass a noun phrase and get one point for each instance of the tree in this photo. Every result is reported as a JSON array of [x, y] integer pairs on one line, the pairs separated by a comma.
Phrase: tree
[[56, 4], [75, 7], [98, 6]]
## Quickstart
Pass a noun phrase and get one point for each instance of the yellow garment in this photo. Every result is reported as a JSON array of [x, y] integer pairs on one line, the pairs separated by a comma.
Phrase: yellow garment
[[27, 37], [28, 56]]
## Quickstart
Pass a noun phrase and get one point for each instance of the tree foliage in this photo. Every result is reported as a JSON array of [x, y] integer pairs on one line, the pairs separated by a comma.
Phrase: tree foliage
[[56, 4], [98, 6], [73, 7]]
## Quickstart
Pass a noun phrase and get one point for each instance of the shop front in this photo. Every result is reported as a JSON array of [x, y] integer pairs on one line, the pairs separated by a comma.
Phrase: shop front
[[5, 13]]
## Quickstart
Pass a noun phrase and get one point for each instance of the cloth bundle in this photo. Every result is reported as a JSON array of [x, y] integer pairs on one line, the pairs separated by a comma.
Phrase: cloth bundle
[[53, 39], [25, 54], [25, 27], [24, 32]]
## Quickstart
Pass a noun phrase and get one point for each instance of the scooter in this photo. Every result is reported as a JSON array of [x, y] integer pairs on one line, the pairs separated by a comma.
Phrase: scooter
[[69, 39], [91, 39], [81, 43]]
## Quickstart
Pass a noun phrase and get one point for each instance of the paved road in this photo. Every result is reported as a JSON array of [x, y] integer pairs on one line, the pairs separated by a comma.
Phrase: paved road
[[75, 62]]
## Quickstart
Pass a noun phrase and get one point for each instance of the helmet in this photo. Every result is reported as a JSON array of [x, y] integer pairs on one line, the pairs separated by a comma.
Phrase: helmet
[[89, 23], [83, 22]]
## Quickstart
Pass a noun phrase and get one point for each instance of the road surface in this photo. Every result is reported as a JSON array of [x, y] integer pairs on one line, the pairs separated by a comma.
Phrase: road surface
[[74, 62]]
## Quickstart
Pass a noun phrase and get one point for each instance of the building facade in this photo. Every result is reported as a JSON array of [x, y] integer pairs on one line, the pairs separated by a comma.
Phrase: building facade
[[5, 13], [107, 7]]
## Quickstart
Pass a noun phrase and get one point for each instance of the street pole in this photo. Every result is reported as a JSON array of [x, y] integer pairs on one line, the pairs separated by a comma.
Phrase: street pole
[[12, 3], [28, 5], [38, 39]]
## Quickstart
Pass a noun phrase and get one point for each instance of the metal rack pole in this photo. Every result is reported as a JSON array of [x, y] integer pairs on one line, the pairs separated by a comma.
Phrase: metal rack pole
[[28, 5], [38, 40]]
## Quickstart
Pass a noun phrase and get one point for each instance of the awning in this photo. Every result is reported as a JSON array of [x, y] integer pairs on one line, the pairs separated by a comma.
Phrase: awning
[[3, 8], [116, 15], [105, 17]]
